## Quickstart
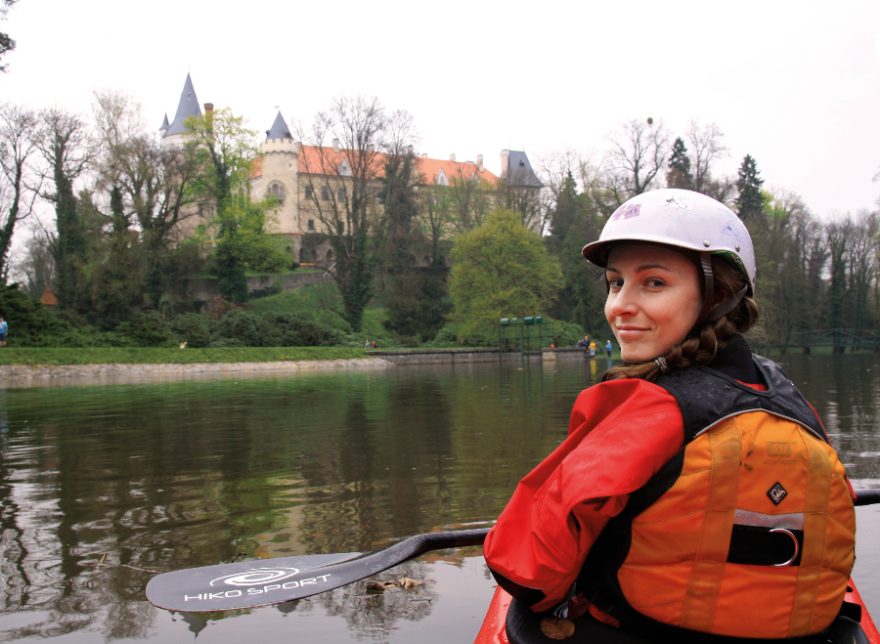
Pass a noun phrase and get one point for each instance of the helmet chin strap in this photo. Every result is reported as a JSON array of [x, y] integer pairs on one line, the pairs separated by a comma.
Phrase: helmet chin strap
[[712, 312]]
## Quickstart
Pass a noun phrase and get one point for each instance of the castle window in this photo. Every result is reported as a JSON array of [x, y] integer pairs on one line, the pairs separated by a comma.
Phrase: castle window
[[311, 224], [340, 194], [345, 169], [325, 193], [441, 179], [276, 191], [309, 192]]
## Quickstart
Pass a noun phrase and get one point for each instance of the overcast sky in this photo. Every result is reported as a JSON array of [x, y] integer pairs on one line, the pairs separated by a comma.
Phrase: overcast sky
[[796, 84]]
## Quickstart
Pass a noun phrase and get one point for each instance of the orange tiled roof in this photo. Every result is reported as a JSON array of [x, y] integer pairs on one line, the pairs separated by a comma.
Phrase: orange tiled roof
[[463, 170], [256, 169], [320, 160]]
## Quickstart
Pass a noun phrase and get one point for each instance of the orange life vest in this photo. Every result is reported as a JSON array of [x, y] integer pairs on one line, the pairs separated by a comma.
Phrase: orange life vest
[[748, 532]]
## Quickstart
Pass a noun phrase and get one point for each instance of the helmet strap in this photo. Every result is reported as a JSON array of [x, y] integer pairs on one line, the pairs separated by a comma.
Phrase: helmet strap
[[708, 285], [711, 311]]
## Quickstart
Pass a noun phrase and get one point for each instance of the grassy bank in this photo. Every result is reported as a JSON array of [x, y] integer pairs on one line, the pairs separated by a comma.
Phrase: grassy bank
[[164, 355]]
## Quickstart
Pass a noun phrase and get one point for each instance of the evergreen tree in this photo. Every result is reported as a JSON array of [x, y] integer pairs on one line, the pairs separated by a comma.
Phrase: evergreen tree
[[749, 201], [565, 213], [414, 305], [678, 173]]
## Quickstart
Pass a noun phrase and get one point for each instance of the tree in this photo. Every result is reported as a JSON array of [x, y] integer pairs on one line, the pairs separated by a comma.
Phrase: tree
[[38, 265], [64, 145], [7, 44], [837, 234], [155, 186], [17, 126], [637, 156], [787, 251], [471, 201], [705, 143], [749, 201], [341, 171], [500, 269], [678, 172], [401, 242], [222, 151]]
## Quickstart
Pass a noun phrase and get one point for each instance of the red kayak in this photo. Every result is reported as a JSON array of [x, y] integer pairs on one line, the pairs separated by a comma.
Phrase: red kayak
[[508, 623]]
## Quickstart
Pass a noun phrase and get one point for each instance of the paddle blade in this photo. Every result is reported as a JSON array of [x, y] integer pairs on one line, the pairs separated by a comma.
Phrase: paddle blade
[[246, 584]]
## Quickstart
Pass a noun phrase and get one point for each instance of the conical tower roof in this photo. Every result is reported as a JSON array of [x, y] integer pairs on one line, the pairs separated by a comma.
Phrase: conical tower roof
[[279, 129], [188, 106]]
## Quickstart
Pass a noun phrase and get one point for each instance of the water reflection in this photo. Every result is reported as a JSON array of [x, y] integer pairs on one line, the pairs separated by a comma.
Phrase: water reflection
[[101, 486]]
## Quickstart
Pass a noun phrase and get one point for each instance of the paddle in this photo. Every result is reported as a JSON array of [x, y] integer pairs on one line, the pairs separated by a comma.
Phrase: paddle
[[248, 584]]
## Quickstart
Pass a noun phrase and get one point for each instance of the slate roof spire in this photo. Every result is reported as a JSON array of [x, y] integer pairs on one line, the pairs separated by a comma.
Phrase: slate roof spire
[[188, 106], [279, 129]]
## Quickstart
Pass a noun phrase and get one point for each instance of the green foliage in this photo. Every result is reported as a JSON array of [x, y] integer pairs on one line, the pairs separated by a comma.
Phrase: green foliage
[[500, 269], [146, 329], [241, 326], [29, 322], [417, 302], [194, 329], [577, 220]]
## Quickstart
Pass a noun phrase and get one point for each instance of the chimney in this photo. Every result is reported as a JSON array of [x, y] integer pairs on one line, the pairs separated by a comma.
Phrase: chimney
[[409, 150], [209, 107], [452, 157], [479, 161], [336, 144]]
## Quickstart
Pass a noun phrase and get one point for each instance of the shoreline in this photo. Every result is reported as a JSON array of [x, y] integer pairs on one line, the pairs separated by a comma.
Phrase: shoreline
[[20, 376], [25, 376]]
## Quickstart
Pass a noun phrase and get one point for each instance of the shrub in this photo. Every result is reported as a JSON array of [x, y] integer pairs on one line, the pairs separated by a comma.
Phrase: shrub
[[240, 326], [146, 329], [194, 329]]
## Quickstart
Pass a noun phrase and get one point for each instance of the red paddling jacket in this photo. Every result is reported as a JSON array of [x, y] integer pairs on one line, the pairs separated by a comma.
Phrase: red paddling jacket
[[729, 511]]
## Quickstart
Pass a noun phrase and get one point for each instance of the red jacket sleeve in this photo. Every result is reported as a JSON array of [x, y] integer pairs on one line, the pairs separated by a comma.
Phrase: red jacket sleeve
[[621, 432]]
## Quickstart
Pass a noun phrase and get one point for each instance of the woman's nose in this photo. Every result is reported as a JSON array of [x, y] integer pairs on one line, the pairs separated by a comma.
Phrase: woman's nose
[[622, 302]]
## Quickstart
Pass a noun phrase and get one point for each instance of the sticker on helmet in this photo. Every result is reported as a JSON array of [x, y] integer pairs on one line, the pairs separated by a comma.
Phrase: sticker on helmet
[[627, 211]]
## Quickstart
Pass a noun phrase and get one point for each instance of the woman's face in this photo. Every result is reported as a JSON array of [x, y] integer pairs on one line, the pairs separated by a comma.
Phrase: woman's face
[[653, 300]]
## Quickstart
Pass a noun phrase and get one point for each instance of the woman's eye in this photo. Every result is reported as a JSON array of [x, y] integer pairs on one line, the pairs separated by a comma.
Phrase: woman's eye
[[615, 284], [655, 283]]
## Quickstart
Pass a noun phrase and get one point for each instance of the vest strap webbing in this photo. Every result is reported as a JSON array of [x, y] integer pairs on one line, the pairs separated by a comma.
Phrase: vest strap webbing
[[815, 516], [701, 600]]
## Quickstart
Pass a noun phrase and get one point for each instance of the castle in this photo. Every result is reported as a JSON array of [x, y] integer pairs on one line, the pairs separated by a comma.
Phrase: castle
[[306, 181]]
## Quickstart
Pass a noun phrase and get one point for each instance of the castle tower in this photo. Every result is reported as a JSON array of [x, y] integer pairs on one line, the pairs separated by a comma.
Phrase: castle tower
[[174, 133], [278, 178]]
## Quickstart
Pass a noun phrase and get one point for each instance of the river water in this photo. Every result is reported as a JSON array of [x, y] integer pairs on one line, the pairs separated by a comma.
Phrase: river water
[[103, 486]]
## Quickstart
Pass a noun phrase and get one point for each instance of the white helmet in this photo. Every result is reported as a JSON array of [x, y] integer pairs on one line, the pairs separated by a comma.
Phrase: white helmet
[[679, 218]]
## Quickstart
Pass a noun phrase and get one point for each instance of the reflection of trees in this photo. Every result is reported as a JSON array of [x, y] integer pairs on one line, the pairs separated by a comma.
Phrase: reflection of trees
[[372, 615], [844, 390]]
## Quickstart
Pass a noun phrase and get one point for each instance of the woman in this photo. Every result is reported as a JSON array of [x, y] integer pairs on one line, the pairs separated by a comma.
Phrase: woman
[[696, 496]]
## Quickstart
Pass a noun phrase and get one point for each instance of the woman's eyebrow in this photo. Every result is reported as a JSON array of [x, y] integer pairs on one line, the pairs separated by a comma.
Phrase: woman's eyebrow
[[640, 267]]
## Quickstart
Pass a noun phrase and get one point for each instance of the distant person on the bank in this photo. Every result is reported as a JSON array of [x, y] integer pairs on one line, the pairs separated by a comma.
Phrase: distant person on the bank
[[583, 343], [4, 329], [608, 347], [592, 349]]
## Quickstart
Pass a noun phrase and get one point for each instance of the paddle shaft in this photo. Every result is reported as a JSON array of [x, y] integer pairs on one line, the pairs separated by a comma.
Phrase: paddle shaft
[[248, 584]]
